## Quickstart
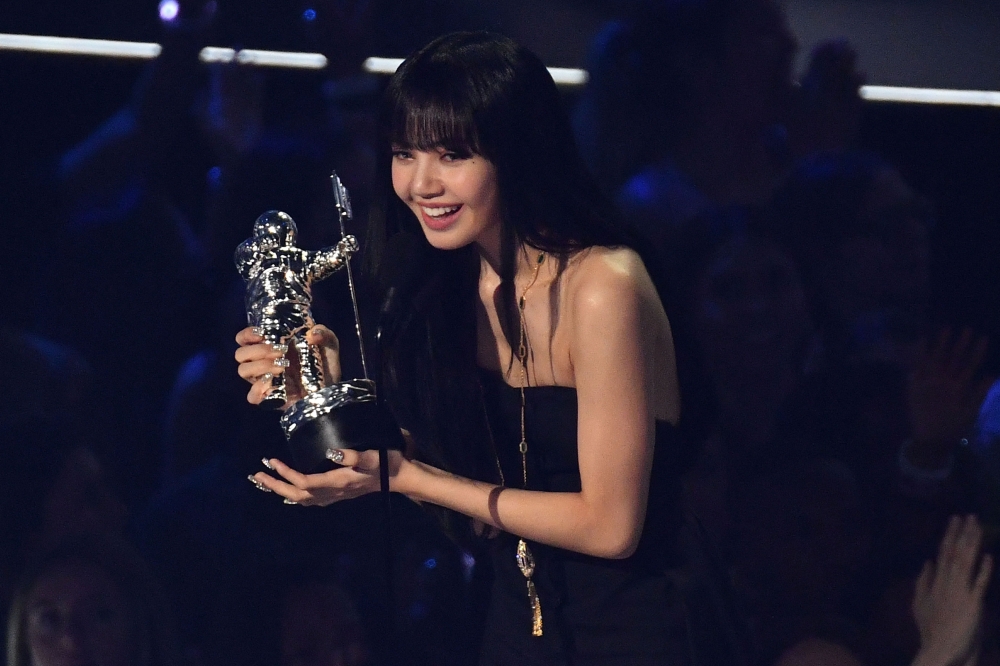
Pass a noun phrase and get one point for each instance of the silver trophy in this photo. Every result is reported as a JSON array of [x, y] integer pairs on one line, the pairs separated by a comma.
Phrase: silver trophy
[[279, 277]]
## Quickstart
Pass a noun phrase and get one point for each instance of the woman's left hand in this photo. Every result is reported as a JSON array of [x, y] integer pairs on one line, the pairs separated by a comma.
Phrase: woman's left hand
[[357, 475]]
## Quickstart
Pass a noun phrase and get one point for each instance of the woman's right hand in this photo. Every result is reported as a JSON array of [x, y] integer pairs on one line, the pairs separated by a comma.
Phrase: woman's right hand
[[258, 362]]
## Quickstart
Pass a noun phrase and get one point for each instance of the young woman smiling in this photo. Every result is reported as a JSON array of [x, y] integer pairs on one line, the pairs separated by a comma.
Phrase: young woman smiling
[[534, 373]]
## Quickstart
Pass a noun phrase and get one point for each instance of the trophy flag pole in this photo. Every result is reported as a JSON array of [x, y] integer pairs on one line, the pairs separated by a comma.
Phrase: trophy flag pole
[[344, 214]]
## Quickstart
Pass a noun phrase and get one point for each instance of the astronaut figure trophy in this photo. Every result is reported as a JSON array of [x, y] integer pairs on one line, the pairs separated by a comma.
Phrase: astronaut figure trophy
[[279, 276]]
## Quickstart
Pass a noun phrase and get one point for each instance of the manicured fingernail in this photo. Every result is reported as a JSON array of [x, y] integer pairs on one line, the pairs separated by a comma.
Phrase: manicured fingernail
[[267, 376], [335, 456], [282, 363], [260, 486], [267, 463], [288, 501], [256, 331], [280, 347]]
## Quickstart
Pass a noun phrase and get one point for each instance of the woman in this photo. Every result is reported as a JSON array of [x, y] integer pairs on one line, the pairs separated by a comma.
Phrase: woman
[[534, 373]]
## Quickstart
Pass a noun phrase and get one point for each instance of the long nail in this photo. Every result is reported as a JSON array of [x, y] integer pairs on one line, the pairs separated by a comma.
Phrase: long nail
[[260, 486], [256, 331], [281, 362], [288, 501], [280, 347], [267, 376], [267, 463], [335, 456]]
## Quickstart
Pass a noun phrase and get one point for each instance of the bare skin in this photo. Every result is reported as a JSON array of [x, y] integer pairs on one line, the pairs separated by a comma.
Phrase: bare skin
[[947, 606], [948, 597], [612, 344], [611, 341]]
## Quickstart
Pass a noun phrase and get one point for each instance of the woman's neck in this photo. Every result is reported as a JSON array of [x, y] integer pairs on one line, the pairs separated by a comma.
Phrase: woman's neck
[[490, 261]]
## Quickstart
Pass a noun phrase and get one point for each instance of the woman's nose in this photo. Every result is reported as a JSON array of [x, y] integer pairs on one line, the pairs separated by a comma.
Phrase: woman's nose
[[426, 180]]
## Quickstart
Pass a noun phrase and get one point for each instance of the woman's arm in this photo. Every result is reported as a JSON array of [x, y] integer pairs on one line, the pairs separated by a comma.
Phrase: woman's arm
[[617, 323]]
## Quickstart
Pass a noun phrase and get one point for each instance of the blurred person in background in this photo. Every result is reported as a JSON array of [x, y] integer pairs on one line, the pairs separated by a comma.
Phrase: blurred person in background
[[58, 485], [89, 601], [692, 106], [947, 603], [320, 627], [893, 396]]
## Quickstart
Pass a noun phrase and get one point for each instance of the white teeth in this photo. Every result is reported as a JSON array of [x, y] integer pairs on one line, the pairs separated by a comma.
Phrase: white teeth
[[440, 212]]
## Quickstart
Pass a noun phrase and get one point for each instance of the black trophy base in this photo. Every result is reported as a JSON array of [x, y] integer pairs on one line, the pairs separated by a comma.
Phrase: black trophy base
[[359, 425]]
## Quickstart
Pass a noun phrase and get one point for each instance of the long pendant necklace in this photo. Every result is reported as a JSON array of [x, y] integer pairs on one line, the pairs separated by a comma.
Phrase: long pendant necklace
[[525, 560]]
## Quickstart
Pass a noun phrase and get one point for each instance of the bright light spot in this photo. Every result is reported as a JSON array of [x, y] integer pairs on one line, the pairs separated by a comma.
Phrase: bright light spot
[[281, 59], [169, 10], [376, 65], [309, 15], [563, 76], [217, 54], [930, 95], [77, 46], [569, 76]]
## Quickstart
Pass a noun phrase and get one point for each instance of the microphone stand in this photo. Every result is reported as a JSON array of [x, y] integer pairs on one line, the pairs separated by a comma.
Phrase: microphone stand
[[342, 202]]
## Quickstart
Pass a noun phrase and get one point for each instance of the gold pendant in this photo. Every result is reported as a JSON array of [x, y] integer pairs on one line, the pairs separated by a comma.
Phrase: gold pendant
[[526, 563]]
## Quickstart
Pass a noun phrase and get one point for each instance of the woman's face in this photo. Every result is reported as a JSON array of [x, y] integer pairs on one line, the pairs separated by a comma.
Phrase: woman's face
[[77, 616], [453, 195]]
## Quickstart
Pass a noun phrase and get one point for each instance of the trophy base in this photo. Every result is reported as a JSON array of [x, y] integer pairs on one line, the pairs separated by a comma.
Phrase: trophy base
[[342, 416]]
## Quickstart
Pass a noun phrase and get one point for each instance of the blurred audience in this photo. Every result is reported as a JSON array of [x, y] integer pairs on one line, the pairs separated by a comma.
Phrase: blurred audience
[[833, 424], [320, 627], [89, 601], [58, 486], [692, 106]]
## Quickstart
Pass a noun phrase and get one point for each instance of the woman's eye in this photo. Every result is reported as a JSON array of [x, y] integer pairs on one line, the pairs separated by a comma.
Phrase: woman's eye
[[401, 154], [455, 155]]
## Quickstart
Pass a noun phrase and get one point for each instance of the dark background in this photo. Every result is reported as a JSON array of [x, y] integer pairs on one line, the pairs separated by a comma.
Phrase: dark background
[[948, 153], [49, 103]]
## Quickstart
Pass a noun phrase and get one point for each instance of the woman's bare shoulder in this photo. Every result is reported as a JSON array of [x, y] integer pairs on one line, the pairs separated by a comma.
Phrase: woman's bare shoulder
[[602, 273]]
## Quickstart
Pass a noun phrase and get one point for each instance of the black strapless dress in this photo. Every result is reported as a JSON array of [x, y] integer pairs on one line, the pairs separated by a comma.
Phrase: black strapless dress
[[595, 611]]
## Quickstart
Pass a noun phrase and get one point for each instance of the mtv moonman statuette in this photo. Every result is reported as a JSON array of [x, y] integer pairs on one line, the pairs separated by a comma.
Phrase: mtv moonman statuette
[[279, 276]]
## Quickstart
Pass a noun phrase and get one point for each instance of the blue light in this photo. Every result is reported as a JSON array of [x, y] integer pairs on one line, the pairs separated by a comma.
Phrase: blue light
[[169, 10], [214, 176], [309, 15], [430, 563]]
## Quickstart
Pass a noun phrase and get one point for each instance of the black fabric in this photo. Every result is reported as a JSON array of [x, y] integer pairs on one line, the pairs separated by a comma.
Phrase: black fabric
[[595, 611]]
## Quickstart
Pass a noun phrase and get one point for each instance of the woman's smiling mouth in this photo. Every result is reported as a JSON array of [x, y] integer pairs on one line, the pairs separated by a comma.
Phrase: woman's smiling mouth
[[439, 218]]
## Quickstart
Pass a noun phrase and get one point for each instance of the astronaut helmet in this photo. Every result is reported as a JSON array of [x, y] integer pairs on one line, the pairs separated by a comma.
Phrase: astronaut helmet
[[276, 224]]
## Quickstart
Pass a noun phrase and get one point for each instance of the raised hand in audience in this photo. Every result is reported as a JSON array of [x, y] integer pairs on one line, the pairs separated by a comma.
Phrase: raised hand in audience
[[948, 598]]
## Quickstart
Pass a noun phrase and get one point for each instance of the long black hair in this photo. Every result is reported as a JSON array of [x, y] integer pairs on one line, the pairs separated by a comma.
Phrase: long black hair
[[483, 94]]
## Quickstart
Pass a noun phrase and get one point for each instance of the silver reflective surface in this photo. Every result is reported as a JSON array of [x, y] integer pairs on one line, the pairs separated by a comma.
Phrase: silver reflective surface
[[322, 402], [279, 276]]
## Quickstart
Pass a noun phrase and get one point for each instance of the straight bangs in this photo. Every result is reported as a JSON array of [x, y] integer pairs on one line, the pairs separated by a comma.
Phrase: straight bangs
[[432, 110]]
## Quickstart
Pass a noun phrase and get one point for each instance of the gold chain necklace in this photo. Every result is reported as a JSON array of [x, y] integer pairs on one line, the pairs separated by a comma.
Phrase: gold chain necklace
[[525, 560]]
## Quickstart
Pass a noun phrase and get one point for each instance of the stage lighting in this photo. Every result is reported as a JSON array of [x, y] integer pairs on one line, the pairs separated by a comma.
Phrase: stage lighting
[[169, 10]]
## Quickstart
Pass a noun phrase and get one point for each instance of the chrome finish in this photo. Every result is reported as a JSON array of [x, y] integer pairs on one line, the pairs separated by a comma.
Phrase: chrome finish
[[279, 278], [320, 403], [342, 201]]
